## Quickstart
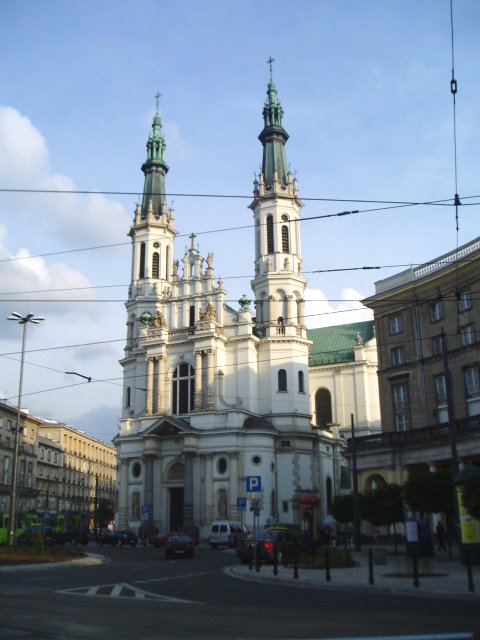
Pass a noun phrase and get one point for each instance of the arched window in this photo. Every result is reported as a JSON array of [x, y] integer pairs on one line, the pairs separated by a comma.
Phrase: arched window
[[285, 240], [136, 506], [282, 380], [270, 244], [301, 382], [141, 271], [323, 408], [191, 317], [128, 396], [156, 265], [183, 389]]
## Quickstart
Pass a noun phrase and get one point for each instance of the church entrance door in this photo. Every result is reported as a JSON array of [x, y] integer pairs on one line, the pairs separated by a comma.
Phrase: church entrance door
[[176, 508]]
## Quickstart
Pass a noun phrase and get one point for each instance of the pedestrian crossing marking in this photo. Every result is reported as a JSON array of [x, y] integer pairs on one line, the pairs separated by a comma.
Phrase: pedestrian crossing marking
[[123, 590]]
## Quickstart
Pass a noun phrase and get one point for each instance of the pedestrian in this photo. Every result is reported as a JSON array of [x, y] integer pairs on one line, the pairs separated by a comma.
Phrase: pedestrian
[[441, 536]]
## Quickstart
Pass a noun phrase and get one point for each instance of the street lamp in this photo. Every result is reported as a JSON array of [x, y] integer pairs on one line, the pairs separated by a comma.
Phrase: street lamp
[[12, 521]]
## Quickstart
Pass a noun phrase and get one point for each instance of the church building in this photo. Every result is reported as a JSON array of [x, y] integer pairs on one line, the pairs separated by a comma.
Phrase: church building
[[216, 416]]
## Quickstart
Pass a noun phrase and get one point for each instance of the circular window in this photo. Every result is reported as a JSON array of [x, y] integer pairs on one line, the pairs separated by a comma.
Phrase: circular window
[[156, 245], [222, 465], [136, 470], [285, 218], [256, 460]]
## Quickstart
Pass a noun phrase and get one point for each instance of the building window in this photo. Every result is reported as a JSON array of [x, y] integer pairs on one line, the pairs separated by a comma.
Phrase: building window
[[167, 262], [464, 300], [323, 408], [436, 312], [141, 271], [472, 386], [301, 382], [401, 406], [183, 389], [395, 325], [441, 397], [397, 356], [222, 466], [468, 335], [285, 240], [282, 380], [285, 506], [270, 244], [191, 316], [472, 381], [128, 396], [437, 345], [156, 265]]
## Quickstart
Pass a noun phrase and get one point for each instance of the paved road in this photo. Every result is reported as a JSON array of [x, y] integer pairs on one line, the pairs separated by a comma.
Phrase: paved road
[[139, 595]]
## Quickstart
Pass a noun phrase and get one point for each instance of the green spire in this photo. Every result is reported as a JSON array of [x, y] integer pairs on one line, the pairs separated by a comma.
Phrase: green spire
[[155, 168], [273, 137]]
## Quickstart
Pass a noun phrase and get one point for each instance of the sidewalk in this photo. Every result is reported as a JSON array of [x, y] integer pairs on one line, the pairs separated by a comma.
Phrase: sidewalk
[[90, 559], [448, 578]]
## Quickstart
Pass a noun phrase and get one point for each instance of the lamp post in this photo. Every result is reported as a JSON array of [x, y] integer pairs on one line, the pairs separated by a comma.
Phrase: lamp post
[[12, 520]]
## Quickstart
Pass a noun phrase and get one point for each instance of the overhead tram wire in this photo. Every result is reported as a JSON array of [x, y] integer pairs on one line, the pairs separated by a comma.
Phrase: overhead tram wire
[[442, 202]]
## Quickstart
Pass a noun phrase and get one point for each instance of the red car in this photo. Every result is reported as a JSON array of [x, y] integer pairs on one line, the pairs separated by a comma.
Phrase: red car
[[160, 539]]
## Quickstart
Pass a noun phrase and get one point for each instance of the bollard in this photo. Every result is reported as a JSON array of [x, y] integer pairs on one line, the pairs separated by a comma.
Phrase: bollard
[[468, 561], [415, 570], [258, 558], [327, 564], [370, 567], [275, 559], [250, 556], [295, 561]]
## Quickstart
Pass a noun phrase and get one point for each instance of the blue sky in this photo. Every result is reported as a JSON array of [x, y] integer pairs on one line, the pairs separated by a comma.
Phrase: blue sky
[[365, 88]]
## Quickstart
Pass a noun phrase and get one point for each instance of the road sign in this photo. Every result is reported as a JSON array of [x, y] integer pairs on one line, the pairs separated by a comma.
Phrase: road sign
[[241, 504], [254, 484]]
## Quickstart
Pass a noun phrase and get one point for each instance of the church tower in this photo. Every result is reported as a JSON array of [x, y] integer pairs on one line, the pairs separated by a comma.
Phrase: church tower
[[279, 284]]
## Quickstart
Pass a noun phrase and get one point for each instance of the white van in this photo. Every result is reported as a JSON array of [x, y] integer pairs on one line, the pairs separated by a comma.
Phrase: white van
[[225, 533]]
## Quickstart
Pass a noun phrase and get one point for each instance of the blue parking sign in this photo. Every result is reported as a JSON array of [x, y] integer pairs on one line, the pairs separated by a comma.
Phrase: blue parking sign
[[241, 504], [254, 484]]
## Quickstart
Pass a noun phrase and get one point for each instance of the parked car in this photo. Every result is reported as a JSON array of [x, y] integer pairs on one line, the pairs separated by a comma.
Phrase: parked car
[[225, 533], [73, 535], [28, 537], [160, 539], [118, 538], [179, 545], [265, 543]]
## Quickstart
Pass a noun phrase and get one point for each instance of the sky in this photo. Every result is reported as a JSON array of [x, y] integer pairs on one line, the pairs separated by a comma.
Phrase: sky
[[365, 88]]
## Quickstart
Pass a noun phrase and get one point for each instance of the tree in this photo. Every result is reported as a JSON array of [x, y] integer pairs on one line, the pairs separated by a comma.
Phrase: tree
[[430, 492], [342, 508], [383, 506], [471, 495], [105, 511]]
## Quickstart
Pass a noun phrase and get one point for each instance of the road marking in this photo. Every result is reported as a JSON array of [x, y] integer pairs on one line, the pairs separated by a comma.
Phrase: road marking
[[168, 578], [123, 590]]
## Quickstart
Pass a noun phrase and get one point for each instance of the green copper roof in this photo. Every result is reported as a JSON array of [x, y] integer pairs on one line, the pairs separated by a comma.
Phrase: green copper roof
[[273, 138], [154, 169], [336, 344]]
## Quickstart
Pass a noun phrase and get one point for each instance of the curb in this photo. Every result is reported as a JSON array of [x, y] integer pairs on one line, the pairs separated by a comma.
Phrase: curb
[[91, 559]]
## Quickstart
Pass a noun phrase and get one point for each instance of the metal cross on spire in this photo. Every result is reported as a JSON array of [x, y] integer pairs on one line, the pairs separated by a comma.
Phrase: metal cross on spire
[[270, 61], [157, 100]]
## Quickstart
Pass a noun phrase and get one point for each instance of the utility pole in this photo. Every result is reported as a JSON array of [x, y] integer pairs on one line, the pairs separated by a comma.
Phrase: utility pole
[[356, 514]]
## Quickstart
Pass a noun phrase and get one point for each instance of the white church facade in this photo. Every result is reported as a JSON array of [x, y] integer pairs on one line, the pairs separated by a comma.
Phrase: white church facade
[[217, 400]]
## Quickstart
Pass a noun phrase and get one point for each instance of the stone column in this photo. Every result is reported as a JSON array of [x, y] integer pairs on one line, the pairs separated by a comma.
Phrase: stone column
[[210, 378], [123, 495], [209, 511], [233, 485], [149, 406], [198, 380], [162, 383], [271, 310], [301, 311], [188, 491], [148, 488], [290, 319]]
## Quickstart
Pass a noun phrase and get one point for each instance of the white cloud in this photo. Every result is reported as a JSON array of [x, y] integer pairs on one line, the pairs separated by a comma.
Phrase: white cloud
[[321, 312]]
